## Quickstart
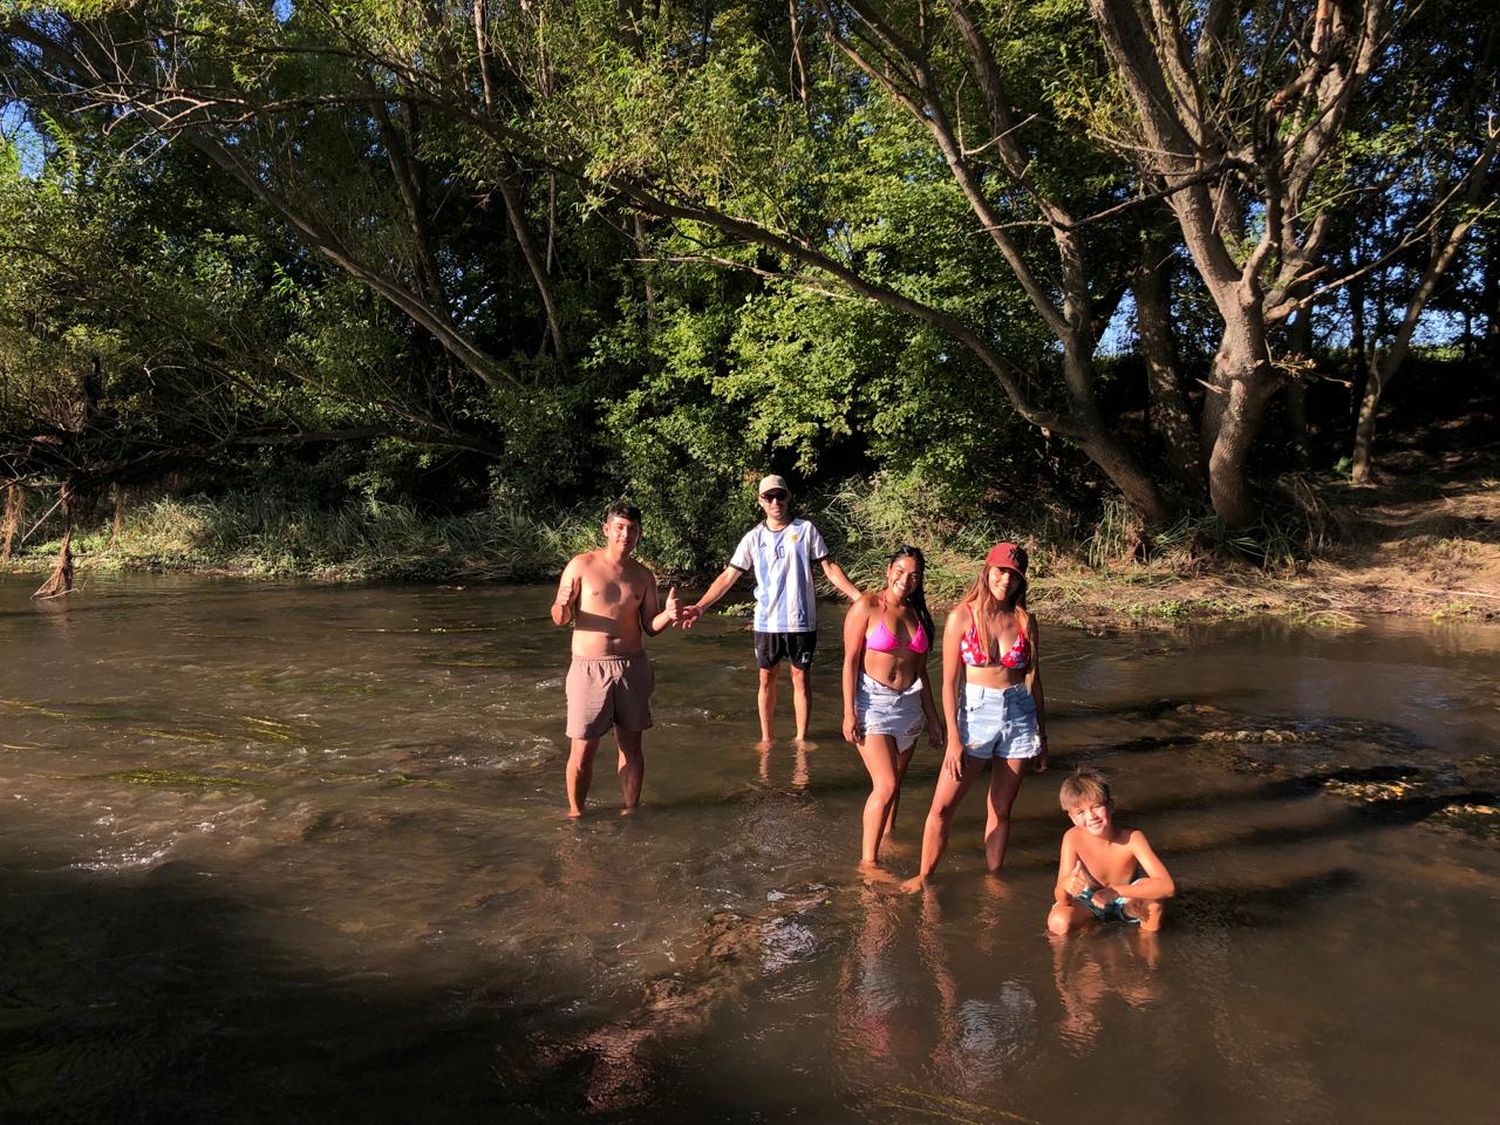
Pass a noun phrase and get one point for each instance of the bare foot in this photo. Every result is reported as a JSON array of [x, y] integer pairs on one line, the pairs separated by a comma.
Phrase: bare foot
[[914, 884], [871, 872]]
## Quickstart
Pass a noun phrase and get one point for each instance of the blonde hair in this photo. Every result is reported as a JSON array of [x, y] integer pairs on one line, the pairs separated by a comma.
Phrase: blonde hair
[[1084, 786], [981, 604]]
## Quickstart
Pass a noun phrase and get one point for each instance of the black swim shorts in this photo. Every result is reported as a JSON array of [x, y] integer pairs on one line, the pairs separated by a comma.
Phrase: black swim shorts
[[798, 648]]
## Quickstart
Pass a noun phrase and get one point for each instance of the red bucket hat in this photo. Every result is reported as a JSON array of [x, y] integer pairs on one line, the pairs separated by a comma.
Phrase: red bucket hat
[[1007, 555]]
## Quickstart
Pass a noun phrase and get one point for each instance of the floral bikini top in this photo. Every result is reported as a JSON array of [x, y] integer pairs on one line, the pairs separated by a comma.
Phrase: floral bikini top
[[1017, 658]]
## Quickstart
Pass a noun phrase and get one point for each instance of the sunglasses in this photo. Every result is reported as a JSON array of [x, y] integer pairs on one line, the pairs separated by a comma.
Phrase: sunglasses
[[775, 496]]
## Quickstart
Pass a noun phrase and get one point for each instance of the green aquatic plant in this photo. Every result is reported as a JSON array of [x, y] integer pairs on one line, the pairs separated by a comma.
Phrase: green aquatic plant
[[176, 779], [400, 779]]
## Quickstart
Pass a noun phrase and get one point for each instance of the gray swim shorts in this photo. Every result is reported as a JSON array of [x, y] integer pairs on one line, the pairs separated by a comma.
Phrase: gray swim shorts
[[609, 691]]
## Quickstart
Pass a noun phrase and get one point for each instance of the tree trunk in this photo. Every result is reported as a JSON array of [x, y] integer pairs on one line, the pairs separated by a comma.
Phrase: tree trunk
[[1168, 410], [1490, 348], [1386, 367], [1364, 426], [15, 512], [1358, 365], [515, 209], [117, 524], [1094, 436], [1300, 342], [1125, 473], [1243, 386], [61, 580]]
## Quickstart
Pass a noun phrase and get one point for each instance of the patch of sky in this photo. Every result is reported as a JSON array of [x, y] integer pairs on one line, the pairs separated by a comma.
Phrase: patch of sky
[[1119, 336], [29, 145], [282, 10]]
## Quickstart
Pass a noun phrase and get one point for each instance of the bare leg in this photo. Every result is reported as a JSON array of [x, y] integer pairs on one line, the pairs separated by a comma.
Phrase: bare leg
[[1005, 783], [765, 701], [580, 772], [801, 699], [632, 768], [1065, 917], [1149, 912], [945, 800], [903, 759], [879, 754]]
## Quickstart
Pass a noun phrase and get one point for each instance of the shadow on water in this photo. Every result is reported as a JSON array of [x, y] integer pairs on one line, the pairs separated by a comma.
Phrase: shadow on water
[[154, 999], [1259, 904]]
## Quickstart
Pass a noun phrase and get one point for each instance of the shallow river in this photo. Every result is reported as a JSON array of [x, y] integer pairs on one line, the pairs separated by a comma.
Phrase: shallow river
[[299, 854]]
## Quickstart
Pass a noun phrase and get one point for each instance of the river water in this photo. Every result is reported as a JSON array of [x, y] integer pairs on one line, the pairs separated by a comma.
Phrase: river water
[[299, 853]]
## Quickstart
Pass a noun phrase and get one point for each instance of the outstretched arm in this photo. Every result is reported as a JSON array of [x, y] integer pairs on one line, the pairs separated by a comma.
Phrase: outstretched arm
[[720, 586], [835, 574]]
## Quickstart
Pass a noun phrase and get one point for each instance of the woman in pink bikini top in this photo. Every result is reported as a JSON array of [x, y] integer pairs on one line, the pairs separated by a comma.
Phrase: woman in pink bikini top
[[887, 698]]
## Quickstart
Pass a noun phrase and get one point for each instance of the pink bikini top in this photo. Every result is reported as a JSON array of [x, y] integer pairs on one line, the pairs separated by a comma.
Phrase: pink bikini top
[[881, 639], [1017, 658]]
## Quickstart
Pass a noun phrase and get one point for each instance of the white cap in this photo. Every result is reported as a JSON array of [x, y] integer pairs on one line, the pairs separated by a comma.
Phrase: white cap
[[770, 482]]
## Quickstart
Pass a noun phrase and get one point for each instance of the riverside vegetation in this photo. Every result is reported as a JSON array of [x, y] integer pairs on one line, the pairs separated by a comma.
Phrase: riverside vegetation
[[410, 291], [1425, 540]]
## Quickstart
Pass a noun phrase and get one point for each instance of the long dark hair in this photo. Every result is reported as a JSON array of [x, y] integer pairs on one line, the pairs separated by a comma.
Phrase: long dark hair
[[918, 597]]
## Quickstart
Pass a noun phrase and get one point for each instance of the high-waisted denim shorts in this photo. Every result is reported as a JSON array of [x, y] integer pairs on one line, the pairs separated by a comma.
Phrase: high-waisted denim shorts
[[883, 710], [998, 722]]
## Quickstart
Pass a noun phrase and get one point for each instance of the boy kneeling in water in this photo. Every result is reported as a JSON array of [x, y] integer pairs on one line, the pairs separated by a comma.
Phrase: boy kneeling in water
[[1106, 872]]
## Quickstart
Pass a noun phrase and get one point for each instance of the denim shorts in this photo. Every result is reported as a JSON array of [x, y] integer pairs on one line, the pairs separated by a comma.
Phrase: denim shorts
[[883, 710], [998, 722]]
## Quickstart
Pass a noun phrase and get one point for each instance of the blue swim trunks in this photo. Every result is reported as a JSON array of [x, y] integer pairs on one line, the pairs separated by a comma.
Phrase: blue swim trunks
[[1110, 911]]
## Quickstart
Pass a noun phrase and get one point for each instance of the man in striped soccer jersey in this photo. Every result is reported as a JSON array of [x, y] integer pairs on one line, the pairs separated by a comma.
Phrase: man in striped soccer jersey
[[781, 551]]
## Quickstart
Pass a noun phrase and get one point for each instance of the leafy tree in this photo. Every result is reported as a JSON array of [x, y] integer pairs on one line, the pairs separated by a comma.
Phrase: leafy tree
[[1241, 115]]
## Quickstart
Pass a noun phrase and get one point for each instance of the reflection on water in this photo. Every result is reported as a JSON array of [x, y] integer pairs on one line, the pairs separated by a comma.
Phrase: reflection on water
[[313, 839]]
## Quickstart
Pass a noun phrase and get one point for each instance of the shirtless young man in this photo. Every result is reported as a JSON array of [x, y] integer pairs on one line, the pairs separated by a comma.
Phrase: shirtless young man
[[611, 601]]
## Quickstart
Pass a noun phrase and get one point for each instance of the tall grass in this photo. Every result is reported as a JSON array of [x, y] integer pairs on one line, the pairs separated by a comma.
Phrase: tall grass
[[262, 535], [865, 521]]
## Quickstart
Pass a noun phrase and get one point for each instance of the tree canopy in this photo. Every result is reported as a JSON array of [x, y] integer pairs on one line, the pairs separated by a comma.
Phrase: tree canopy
[[582, 248]]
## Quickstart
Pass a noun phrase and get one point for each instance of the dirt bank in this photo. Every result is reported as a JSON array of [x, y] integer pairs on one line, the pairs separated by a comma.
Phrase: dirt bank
[[1423, 539]]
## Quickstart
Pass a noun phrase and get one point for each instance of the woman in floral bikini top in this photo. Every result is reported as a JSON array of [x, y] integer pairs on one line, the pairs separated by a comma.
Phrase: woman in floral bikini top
[[992, 695], [1017, 658]]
